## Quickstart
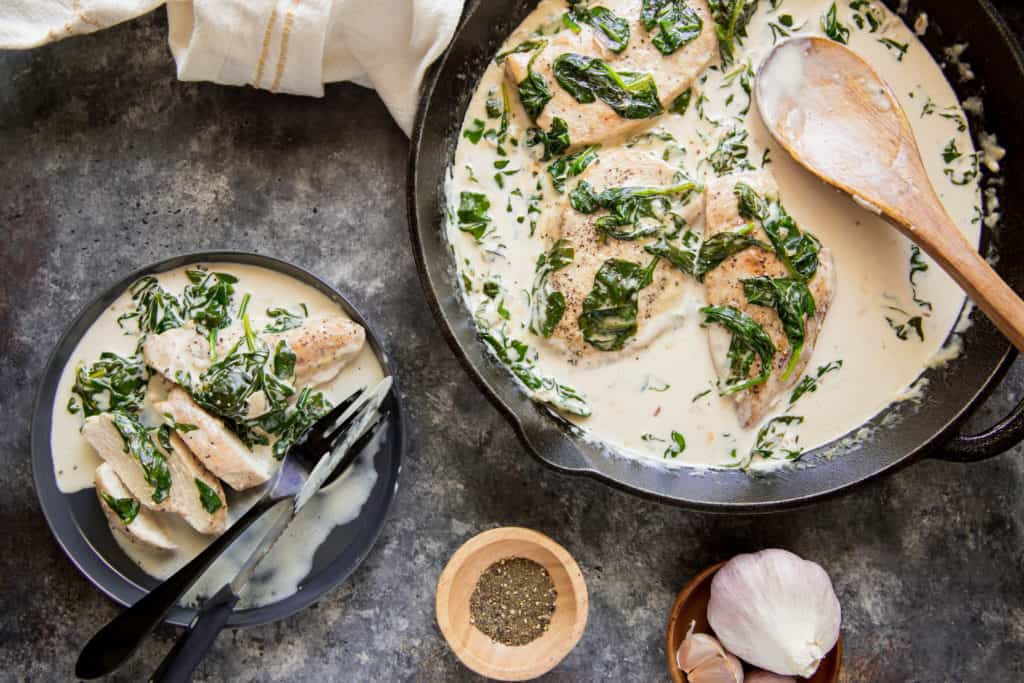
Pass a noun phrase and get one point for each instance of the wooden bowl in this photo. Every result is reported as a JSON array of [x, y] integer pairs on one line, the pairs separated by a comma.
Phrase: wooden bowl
[[476, 650], [692, 605]]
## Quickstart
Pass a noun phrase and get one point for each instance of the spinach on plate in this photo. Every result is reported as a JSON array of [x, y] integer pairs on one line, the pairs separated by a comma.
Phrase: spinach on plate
[[794, 304], [626, 207], [677, 23], [731, 19], [547, 305], [139, 445], [127, 509], [797, 250], [112, 383], [612, 30], [571, 165]]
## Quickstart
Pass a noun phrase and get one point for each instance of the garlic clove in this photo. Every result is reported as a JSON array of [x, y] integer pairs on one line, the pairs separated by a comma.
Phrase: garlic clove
[[703, 660], [775, 611], [767, 677]]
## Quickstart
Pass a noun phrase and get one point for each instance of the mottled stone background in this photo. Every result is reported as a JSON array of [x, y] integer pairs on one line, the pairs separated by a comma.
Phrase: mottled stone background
[[108, 163]]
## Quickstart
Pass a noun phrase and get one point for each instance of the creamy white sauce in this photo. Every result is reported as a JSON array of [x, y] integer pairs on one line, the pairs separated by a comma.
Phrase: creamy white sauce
[[872, 259], [281, 573]]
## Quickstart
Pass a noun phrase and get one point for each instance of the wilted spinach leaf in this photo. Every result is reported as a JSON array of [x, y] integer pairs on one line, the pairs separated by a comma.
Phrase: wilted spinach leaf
[[612, 30], [111, 383], [140, 447], [797, 250], [833, 28], [677, 23], [631, 95], [571, 165], [609, 317], [722, 245], [472, 214], [555, 141], [283, 320], [547, 306], [793, 303], [731, 19], [525, 46], [125, 508], [534, 92], [156, 309], [749, 341], [627, 205], [208, 496]]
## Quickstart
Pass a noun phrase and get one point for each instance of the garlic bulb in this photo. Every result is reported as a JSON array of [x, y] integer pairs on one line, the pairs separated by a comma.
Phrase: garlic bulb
[[767, 677], [775, 611], [703, 660]]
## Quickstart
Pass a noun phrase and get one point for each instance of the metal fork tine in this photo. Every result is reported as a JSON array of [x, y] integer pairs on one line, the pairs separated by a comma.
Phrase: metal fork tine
[[315, 434]]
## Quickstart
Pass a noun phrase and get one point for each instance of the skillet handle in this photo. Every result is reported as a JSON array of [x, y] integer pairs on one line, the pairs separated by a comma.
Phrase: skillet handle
[[988, 444]]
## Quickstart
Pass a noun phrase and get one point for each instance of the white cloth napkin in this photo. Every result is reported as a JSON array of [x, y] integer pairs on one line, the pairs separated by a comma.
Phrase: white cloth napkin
[[289, 46]]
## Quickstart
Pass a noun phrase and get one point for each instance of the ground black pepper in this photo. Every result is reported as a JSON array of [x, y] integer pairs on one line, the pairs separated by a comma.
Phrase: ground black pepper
[[513, 601]]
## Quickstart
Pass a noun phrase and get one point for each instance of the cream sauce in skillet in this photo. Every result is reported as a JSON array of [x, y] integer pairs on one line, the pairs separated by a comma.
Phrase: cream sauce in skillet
[[638, 402]]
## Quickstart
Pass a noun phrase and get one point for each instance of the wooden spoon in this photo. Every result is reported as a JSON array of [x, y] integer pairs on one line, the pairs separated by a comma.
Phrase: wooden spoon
[[841, 121]]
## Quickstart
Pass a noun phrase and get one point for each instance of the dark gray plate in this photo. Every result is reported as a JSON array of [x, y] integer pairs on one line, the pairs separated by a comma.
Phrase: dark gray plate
[[79, 524]]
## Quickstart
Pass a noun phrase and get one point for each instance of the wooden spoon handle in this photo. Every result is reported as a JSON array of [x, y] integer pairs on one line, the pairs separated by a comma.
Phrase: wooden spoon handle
[[961, 260]]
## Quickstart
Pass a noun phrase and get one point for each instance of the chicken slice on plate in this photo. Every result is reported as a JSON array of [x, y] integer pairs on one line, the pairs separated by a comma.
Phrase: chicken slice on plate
[[322, 347], [216, 447], [725, 287], [655, 303], [159, 479], [672, 73], [126, 515]]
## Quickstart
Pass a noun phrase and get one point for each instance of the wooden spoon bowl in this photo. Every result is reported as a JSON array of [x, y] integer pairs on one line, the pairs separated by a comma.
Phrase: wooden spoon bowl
[[476, 650], [692, 606]]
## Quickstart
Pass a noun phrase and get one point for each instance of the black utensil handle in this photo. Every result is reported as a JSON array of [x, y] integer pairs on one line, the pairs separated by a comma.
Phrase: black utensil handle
[[114, 643], [988, 444], [192, 645]]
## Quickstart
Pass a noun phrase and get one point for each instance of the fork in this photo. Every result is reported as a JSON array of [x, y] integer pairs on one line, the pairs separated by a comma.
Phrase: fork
[[118, 640]]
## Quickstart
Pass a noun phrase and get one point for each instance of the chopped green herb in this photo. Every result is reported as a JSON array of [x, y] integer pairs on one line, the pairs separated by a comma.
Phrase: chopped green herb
[[677, 446], [904, 329], [475, 131], [731, 153], [917, 265], [899, 48], [472, 214], [699, 396], [809, 384], [833, 28], [951, 153], [772, 434]]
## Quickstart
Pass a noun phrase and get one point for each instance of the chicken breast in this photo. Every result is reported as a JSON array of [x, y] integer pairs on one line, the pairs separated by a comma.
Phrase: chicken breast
[[322, 346], [216, 447], [176, 469], [596, 121], [724, 287], [615, 168], [145, 528]]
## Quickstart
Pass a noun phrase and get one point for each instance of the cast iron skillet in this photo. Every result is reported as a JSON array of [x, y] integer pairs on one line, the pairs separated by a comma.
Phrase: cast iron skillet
[[80, 526], [929, 430]]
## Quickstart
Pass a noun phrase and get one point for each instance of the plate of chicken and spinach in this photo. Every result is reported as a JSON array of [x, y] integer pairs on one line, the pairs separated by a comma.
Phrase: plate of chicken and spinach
[[166, 409]]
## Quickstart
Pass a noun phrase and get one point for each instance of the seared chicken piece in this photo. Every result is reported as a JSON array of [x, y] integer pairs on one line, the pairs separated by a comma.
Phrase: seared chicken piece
[[145, 528], [183, 497], [596, 121], [724, 287], [614, 168], [216, 447], [322, 346]]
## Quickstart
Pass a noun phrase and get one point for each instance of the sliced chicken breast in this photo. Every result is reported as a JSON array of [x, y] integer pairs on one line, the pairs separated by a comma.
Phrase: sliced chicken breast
[[596, 122], [145, 528], [615, 168], [214, 445], [724, 287], [183, 496], [322, 346]]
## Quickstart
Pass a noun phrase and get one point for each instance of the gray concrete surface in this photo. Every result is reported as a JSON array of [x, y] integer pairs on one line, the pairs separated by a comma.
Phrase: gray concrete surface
[[107, 163]]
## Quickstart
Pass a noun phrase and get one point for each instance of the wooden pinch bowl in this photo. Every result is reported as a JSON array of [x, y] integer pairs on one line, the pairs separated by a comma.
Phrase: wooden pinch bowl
[[476, 650], [692, 606]]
